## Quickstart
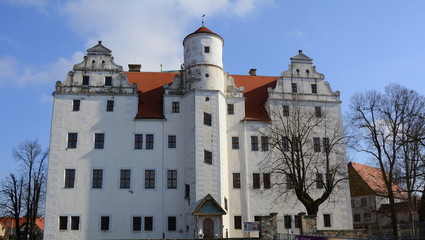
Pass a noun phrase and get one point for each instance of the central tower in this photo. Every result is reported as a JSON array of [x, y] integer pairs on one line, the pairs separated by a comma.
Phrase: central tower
[[203, 60]]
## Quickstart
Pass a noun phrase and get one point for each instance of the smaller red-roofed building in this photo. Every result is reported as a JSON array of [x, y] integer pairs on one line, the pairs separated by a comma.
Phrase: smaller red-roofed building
[[8, 226], [369, 196]]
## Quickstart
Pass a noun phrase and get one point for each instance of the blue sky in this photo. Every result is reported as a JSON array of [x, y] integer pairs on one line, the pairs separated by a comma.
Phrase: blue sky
[[358, 45]]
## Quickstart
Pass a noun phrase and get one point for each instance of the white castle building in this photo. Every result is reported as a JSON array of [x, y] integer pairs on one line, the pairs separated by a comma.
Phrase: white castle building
[[175, 154]]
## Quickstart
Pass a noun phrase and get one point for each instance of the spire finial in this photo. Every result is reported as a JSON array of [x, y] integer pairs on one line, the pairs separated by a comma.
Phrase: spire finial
[[203, 20]]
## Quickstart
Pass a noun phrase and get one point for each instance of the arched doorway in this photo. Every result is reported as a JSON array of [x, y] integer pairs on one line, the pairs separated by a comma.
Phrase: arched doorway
[[208, 228]]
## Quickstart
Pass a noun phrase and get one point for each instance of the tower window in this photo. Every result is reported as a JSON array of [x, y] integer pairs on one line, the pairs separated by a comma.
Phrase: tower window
[[86, 80], [207, 119], [230, 109], [207, 157], [175, 107], [110, 106], [108, 81], [206, 49], [75, 105], [294, 87], [313, 88]]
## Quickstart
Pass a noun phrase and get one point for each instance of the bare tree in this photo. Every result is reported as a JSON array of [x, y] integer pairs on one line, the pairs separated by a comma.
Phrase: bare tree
[[11, 198], [380, 122], [33, 159], [304, 158]]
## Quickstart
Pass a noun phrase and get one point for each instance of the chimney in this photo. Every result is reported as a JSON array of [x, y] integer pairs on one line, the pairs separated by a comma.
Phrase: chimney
[[253, 72], [134, 67]]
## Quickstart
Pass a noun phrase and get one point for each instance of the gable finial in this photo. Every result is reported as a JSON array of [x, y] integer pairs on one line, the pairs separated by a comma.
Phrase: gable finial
[[203, 20]]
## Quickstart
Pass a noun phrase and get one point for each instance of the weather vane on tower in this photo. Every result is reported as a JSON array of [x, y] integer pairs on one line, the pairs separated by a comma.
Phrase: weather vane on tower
[[203, 20]]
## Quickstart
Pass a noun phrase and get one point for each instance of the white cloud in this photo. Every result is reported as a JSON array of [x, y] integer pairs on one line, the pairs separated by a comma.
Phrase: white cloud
[[148, 32], [8, 69]]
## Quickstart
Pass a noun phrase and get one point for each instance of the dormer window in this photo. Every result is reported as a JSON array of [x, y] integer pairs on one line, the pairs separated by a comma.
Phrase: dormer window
[[86, 80], [108, 81], [206, 49]]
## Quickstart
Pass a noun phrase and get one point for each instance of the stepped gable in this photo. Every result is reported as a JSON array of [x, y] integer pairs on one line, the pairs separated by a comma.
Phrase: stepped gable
[[151, 90]]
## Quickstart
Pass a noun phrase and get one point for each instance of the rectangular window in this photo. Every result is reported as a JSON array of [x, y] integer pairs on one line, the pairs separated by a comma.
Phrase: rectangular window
[[149, 179], [63, 222], [285, 111], [207, 119], [254, 143], [137, 223], [69, 178], [225, 204], [326, 146], [125, 178], [319, 180], [86, 80], [257, 218], [207, 157], [172, 179], [172, 223], [110, 105], [266, 180], [285, 144], [316, 142], [104, 223], [97, 178], [148, 223], [327, 220], [313, 88], [75, 223], [72, 140], [318, 111], [235, 142], [238, 222], [287, 219], [230, 109], [175, 107], [186, 191], [294, 87], [297, 221], [289, 181], [357, 218], [363, 202], [256, 180], [264, 143], [149, 141], [99, 140], [171, 141], [236, 180], [138, 141], [206, 49], [108, 81], [75, 105]]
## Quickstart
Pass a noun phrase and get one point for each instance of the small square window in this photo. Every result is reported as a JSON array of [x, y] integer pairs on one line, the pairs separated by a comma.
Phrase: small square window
[[171, 141], [137, 223], [172, 223], [110, 106], [235, 142], [175, 107], [327, 220], [316, 142], [206, 49], [357, 218], [75, 223], [104, 223], [138, 141], [149, 141], [318, 111], [326, 145], [149, 179], [86, 80], [236, 180], [264, 143], [207, 157], [238, 222], [75, 105], [256, 180], [313, 88], [266, 180], [207, 119], [108, 81], [148, 223], [99, 140], [63, 222], [97, 180], [125, 178], [294, 87], [230, 109], [72, 140]]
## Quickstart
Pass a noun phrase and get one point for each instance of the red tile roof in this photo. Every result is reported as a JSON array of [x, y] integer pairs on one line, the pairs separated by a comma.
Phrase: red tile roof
[[151, 91], [374, 179], [202, 30], [9, 222]]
